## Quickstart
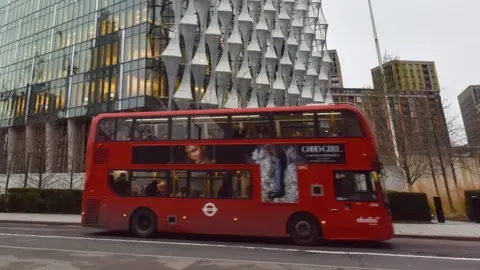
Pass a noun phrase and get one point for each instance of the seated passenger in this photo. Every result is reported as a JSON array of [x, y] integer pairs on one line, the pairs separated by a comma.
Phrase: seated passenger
[[156, 188], [237, 131], [183, 192]]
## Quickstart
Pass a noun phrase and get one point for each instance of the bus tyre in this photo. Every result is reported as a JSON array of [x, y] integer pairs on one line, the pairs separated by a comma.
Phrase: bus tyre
[[303, 229], [143, 223]]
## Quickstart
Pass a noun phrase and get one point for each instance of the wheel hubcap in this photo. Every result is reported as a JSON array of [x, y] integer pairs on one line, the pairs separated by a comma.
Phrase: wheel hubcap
[[144, 223], [303, 229]]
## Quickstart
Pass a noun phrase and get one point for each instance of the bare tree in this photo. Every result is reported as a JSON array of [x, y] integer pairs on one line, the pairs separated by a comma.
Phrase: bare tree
[[410, 161], [387, 57], [460, 149], [4, 160], [439, 144], [43, 140], [17, 161], [76, 153], [9, 168]]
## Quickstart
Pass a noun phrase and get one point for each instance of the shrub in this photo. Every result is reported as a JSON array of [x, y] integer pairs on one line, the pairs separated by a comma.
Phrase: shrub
[[409, 206], [2, 202], [34, 200], [469, 204]]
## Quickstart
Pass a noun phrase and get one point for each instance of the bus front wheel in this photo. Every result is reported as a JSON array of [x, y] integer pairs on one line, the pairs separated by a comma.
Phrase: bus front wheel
[[303, 229], [143, 223]]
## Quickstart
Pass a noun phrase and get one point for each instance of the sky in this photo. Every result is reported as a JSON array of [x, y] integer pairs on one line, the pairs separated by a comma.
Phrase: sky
[[444, 31]]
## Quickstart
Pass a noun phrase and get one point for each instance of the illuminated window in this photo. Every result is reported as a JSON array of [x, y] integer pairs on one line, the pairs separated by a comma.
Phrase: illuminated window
[[339, 124], [179, 129], [151, 129], [291, 125], [251, 126], [209, 127]]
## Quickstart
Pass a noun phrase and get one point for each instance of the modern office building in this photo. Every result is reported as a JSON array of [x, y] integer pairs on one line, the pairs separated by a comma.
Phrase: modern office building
[[407, 75], [336, 79], [469, 101], [415, 115], [64, 61]]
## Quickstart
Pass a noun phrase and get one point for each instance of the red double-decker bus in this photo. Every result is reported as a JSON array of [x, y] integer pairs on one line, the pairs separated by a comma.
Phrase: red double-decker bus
[[305, 172]]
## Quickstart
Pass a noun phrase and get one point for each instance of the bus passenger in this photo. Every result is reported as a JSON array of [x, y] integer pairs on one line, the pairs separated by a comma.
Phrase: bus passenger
[[238, 132], [121, 185], [183, 192], [161, 188], [156, 188]]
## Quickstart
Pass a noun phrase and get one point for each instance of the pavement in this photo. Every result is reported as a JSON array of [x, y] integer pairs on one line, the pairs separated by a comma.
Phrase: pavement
[[59, 219], [451, 230], [70, 247]]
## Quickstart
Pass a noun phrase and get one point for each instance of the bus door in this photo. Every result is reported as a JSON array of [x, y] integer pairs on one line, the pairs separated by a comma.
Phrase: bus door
[[355, 204]]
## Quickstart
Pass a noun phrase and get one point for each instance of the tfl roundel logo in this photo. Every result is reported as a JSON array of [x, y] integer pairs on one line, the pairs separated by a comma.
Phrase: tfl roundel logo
[[209, 209]]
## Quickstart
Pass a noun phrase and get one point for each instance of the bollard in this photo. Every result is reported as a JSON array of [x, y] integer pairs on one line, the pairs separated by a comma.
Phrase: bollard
[[439, 209], [475, 208]]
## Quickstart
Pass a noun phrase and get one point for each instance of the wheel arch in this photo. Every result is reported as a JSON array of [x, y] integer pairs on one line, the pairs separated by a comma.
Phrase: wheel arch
[[140, 208], [303, 214]]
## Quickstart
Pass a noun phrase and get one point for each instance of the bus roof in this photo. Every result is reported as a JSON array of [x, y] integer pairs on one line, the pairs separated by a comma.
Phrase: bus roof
[[321, 107]]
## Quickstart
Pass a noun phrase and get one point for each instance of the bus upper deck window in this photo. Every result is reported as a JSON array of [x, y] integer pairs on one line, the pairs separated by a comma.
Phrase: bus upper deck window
[[123, 129], [339, 124], [251, 126], [209, 127], [351, 124], [179, 128], [114, 129], [106, 130], [151, 129], [291, 125]]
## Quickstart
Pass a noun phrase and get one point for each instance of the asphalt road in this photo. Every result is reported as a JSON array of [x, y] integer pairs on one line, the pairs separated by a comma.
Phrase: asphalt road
[[43, 247]]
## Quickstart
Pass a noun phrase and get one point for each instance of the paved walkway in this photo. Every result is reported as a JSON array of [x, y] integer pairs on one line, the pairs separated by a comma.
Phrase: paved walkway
[[40, 218], [448, 230]]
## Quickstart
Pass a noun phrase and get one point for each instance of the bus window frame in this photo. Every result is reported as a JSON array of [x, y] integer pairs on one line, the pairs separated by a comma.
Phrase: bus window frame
[[188, 173], [271, 125], [97, 131], [169, 126], [342, 114], [129, 180], [271, 134], [372, 189], [167, 180], [315, 125], [227, 133]]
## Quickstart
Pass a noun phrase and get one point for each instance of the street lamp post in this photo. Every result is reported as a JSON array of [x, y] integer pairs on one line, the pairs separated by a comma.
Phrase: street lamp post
[[384, 84]]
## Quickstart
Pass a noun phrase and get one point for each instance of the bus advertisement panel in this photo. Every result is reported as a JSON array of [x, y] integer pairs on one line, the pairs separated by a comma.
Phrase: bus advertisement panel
[[278, 163]]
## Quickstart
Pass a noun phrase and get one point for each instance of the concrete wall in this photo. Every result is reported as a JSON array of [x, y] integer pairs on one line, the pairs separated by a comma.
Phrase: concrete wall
[[467, 171], [50, 180], [393, 181]]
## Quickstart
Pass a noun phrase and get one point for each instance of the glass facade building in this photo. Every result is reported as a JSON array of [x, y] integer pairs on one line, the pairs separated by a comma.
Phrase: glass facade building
[[64, 61], [68, 57]]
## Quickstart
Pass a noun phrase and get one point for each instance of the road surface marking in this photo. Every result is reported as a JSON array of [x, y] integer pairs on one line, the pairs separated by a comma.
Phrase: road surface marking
[[314, 251], [188, 258]]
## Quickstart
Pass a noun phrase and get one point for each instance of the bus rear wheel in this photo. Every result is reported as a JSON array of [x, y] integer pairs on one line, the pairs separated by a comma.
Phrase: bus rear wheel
[[303, 229], [143, 223]]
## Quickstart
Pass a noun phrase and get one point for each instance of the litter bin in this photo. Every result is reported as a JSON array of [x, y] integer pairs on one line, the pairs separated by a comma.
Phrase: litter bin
[[475, 208]]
